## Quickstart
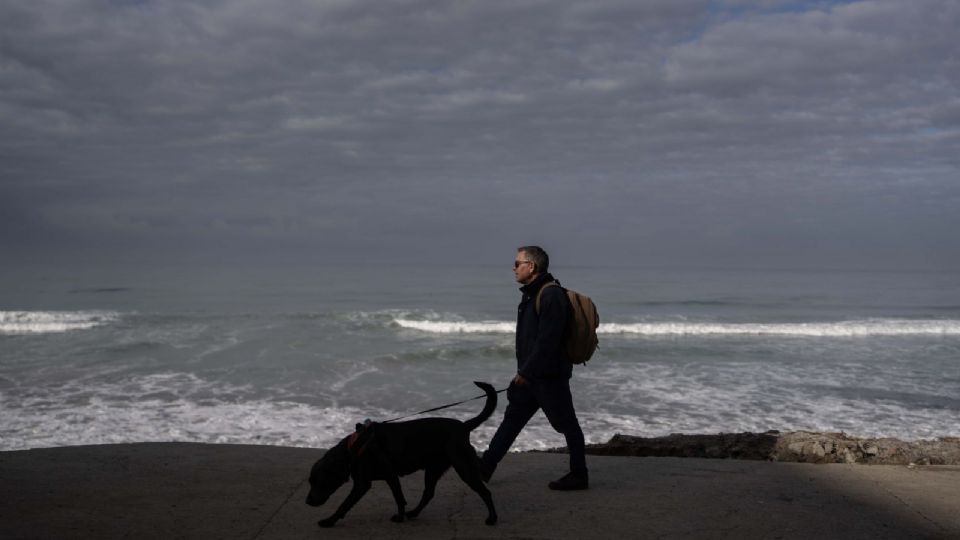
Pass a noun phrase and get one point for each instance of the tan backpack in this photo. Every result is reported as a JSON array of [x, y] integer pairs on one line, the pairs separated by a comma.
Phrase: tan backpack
[[580, 338]]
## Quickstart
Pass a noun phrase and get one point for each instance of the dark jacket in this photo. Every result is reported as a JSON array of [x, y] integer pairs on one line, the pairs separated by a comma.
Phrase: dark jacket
[[540, 353]]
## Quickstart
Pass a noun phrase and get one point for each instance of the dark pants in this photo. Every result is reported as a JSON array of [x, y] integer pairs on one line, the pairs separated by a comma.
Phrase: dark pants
[[551, 395]]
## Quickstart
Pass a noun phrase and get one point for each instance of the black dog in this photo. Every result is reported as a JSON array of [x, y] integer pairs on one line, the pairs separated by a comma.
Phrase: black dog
[[388, 451]]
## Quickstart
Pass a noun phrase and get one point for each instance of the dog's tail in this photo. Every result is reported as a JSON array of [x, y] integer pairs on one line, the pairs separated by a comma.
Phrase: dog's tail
[[488, 408]]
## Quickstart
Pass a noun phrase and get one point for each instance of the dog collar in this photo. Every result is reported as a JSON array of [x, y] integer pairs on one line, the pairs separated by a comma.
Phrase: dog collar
[[352, 441]]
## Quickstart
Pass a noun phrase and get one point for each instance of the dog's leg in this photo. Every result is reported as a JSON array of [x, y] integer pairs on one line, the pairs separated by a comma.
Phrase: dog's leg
[[430, 478], [360, 488], [394, 482], [469, 470]]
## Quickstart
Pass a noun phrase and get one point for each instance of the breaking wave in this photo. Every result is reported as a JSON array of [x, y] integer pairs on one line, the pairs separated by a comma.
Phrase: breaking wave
[[855, 328], [864, 328], [52, 322], [458, 327], [173, 407]]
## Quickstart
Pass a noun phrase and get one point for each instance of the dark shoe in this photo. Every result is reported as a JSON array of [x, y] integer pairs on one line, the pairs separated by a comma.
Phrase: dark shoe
[[571, 482]]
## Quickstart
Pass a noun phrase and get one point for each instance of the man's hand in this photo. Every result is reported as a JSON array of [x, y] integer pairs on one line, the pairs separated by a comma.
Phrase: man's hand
[[519, 380]]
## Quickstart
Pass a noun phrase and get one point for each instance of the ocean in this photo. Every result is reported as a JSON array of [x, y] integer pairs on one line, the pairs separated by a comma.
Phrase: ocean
[[297, 356]]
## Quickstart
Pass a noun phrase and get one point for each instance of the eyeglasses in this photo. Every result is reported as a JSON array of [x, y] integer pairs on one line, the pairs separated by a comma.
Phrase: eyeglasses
[[516, 264]]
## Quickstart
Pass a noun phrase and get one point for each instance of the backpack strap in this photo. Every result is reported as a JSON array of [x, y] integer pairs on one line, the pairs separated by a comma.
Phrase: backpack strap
[[540, 293]]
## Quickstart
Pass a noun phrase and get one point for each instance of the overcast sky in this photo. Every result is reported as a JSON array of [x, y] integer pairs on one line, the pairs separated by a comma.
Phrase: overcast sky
[[643, 131]]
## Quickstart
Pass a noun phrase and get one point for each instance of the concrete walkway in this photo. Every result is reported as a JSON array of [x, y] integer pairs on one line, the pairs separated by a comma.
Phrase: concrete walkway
[[169, 490]]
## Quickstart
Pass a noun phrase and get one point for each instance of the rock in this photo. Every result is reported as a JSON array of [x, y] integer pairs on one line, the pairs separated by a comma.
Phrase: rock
[[816, 450], [796, 446]]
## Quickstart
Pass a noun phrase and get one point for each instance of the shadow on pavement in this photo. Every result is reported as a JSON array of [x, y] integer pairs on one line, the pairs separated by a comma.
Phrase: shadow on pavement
[[169, 490]]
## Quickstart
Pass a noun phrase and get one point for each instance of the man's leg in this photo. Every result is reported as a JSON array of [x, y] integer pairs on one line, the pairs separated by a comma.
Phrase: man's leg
[[521, 406], [557, 402]]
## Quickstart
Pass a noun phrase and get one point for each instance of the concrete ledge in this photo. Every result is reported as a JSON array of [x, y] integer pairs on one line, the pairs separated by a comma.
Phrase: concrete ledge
[[171, 490]]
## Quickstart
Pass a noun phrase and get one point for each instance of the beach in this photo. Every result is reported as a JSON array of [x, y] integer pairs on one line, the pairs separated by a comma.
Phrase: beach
[[205, 491]]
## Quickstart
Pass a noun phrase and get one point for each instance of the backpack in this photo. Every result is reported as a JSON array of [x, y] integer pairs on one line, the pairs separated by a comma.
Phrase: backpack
[[580, 338]]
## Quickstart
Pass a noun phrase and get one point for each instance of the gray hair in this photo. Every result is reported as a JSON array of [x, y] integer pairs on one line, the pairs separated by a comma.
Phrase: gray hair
[[537, 256]]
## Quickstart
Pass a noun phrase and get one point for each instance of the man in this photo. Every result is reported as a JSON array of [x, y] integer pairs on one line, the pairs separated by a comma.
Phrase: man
[[543, 369]]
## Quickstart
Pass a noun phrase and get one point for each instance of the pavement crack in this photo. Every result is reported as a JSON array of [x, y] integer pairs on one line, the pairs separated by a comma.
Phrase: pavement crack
[[280, 507], [911, 507]]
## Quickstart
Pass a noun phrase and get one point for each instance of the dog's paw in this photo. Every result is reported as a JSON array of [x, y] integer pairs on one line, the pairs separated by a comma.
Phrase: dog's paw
[[397, 518], [412, 514], [491, 520], [327, 523]]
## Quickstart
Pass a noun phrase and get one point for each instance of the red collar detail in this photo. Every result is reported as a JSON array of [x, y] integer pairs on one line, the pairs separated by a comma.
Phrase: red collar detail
[[352, 441]]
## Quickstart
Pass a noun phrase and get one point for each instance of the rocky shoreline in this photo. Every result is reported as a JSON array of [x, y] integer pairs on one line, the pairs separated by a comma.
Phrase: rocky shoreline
[[795, 446]]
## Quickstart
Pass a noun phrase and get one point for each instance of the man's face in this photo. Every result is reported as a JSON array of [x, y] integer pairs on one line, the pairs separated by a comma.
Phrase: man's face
[[524, 269]]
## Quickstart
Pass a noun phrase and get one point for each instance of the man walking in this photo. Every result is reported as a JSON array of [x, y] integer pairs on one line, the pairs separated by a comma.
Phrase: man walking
[[543, 369]]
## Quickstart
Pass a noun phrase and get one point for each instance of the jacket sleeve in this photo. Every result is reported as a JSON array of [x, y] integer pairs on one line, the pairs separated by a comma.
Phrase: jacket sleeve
[[547, 354]]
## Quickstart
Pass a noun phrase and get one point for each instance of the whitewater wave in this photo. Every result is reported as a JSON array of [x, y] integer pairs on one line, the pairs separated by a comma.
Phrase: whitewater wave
[[52, 322], [458, 327], [862, 328], [855, 328], [180, 407]]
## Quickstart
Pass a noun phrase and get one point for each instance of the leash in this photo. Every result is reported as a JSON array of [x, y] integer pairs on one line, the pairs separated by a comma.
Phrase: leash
[[439, 408]]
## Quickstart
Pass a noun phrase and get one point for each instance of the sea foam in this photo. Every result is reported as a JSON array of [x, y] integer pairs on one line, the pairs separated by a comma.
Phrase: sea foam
[[50, 322], [853, 328], [457, 327], [859, 328]]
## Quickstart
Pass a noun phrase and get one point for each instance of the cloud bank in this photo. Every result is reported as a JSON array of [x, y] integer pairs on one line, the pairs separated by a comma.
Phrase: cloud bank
[[687, 131]]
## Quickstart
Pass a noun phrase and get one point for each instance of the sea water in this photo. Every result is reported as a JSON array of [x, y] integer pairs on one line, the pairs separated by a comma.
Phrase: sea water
[[288, 356]]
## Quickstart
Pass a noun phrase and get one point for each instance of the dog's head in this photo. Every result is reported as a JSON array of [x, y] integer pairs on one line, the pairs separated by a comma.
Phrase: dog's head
[[329, 473]]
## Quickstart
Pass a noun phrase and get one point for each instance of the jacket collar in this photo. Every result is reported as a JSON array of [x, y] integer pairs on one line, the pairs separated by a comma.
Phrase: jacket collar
[[534, 287]]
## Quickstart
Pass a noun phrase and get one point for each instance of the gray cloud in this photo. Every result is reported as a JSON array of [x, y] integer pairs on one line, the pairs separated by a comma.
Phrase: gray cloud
[[680, 130]]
